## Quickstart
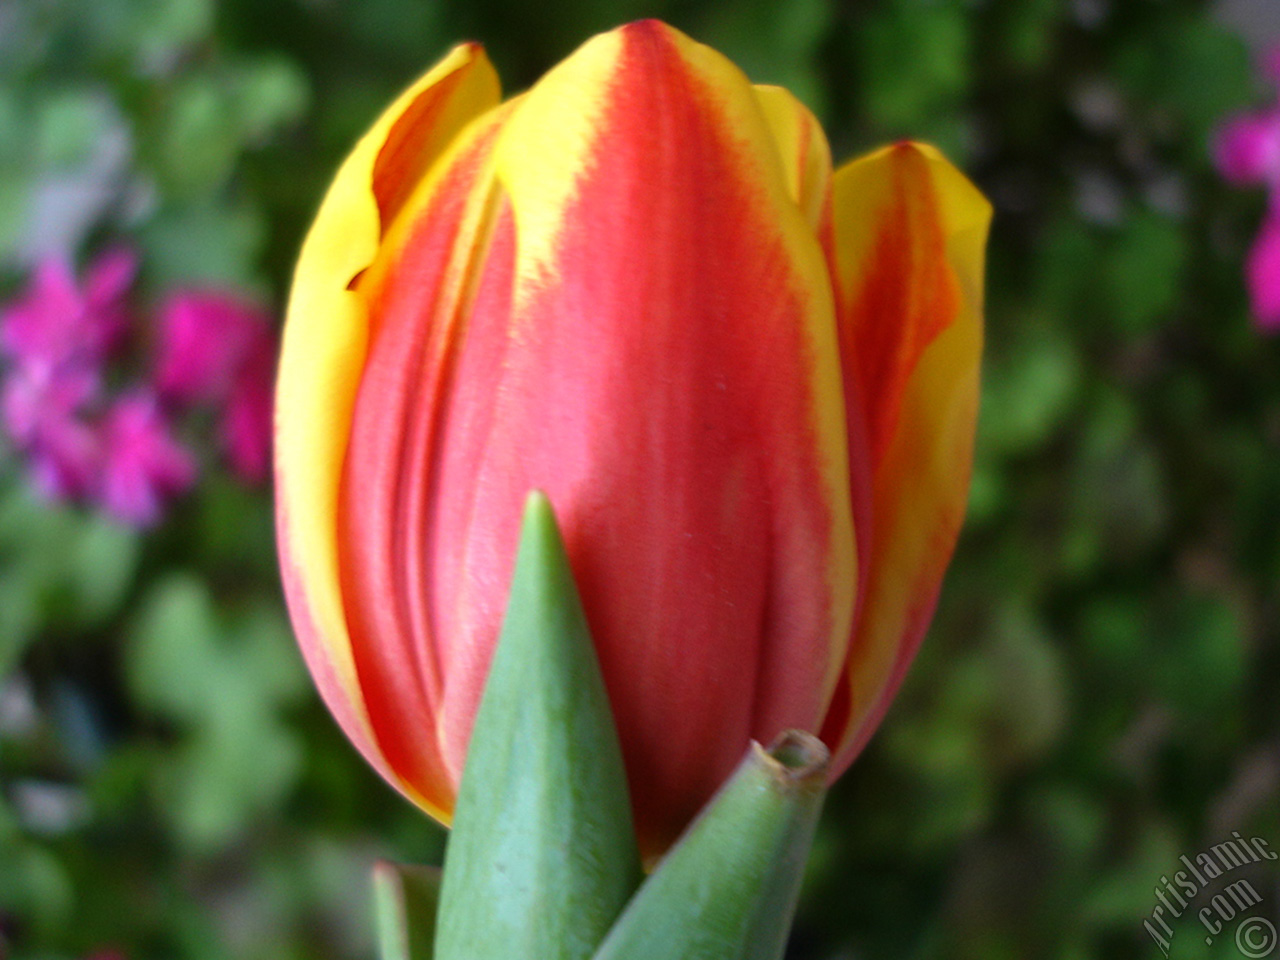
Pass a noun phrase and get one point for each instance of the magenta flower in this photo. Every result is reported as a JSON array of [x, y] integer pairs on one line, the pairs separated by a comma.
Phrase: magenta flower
[[218, 350], [80, 444], [142, 464], [246, 425], [56, 336], [1262, 272], [204, 340], [44, 411], [56, 321], [1270, 67], [1246, 152]]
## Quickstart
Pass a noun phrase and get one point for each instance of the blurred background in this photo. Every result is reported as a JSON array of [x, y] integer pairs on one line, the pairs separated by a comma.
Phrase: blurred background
[[1097, 696]]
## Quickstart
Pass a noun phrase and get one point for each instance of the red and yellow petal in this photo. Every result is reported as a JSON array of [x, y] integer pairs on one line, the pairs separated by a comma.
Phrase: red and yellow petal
[[448, 253], [907, 255], [803, 151], [322, 360], [675, 373], [639, 288], [806, 159], [650, 337]]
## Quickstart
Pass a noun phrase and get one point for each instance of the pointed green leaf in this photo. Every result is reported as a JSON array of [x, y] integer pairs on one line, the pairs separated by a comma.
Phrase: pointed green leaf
[[542, 857], [404, 903], [728, 889]]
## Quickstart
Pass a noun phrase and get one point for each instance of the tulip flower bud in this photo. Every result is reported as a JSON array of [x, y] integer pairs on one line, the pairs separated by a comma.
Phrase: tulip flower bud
[[747, 384]]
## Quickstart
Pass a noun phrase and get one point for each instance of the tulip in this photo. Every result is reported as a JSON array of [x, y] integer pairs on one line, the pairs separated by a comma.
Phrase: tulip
[[747, 383]]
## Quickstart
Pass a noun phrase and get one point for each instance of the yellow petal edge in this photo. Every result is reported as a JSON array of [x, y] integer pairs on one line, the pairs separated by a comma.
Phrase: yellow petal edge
[[324, 347], [922, 484]]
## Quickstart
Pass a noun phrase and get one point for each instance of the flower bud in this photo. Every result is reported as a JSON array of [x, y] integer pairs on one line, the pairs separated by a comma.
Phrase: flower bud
[[747, 383]]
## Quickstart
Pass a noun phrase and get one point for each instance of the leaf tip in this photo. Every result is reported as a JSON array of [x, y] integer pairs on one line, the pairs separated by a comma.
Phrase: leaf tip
[[796, 760]]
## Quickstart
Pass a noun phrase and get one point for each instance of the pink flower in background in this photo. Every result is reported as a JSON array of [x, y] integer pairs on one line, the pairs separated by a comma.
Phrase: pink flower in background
[[1262, 271], [1271, 65], [142, 464], [203, 340], [246, 425], [1247, 149], [44, 412], [56, 336], [1246, 152], [56, 320], [215, 349], [212, 350]]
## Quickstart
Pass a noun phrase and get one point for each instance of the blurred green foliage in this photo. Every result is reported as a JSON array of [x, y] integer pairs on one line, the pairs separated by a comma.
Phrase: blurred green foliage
[[1097, 694]]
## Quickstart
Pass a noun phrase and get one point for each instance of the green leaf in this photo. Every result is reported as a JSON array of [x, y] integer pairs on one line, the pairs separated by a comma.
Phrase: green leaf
[[223, 681], [728, 889], [173, 657], [157, 30], [198, 142], [1032, 382], [70, 125], [404, 901], [543, 852], [1144, 274], [935, 40], [209, 241], [270, 93], [101, 565], [36, 884], [64, 570], [1213, 75]]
